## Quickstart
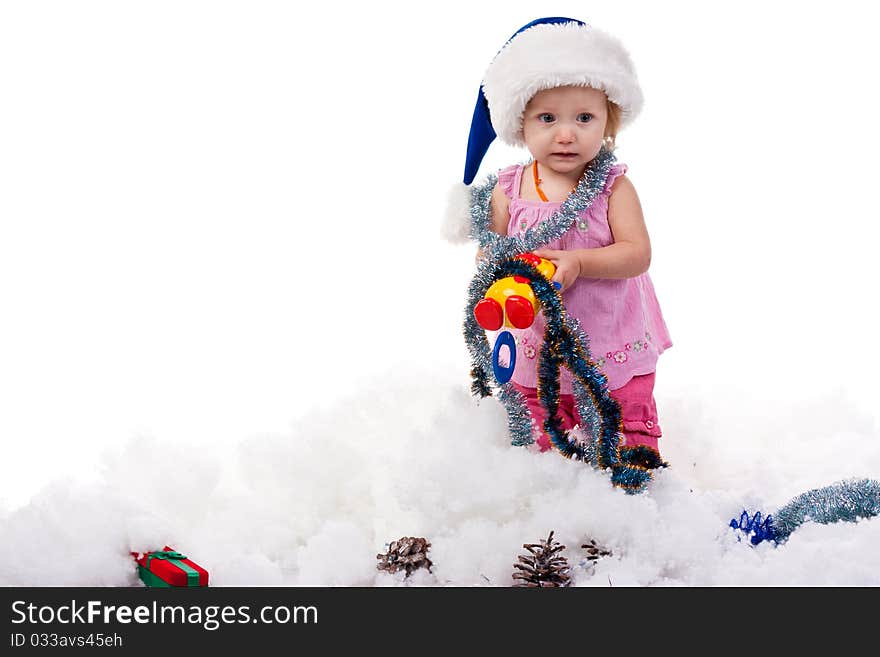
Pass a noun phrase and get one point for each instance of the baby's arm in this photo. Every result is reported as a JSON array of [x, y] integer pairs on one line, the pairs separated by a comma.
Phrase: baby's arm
[[629, 256], [499, 204], [499, 214]]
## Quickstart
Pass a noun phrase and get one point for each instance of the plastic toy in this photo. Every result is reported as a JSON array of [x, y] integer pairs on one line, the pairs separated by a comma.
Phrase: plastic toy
[[510, 301], [504, 373]]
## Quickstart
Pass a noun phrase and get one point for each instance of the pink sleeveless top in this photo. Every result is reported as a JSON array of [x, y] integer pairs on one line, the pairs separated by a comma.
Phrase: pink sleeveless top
[[621, 317]]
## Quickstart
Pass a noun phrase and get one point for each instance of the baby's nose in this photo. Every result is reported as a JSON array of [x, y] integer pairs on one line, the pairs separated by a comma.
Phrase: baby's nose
[[564, 135]]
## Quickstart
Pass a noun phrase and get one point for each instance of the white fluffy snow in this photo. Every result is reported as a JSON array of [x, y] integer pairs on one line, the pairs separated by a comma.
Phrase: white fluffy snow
[[229, 324], [419, 457]]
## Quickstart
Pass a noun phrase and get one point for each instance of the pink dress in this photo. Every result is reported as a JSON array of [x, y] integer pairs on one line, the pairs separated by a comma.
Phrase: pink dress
[[621, 317]]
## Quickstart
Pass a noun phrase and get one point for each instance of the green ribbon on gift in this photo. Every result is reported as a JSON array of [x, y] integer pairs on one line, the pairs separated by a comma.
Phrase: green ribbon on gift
[[192, 575]]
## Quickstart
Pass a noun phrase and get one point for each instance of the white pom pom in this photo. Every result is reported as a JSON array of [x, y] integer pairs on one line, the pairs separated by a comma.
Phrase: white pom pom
[[457, 224]]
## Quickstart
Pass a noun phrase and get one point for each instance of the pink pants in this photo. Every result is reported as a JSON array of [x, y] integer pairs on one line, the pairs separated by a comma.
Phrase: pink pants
[[637, 408]]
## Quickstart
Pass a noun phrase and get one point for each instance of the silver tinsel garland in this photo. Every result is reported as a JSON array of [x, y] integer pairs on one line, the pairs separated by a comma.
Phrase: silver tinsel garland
[[498, 247], [846, 500]]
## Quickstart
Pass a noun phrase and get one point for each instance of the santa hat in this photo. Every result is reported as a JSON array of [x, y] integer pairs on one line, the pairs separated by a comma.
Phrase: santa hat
[[546, 53]]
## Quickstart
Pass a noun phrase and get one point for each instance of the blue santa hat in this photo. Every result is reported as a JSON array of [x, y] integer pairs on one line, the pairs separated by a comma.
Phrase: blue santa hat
[[544, 54], [482, 133]]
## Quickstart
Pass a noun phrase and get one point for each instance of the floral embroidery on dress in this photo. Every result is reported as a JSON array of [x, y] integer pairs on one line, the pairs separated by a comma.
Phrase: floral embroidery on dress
[[620, 356]]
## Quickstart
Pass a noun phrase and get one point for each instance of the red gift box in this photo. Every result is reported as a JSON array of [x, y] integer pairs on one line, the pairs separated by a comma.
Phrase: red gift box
[[169, 568]]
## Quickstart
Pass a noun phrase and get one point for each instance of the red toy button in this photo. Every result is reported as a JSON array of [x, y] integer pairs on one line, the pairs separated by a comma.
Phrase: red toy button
[[519, 311], [530, 258], [489, 315]]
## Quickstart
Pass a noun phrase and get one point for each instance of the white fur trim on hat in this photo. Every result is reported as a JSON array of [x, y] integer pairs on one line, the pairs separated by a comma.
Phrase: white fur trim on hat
[[456, 227], [556, 55]]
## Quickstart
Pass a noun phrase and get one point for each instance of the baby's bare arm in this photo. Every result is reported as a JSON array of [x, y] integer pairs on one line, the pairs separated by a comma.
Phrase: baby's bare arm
[[499, 204], [630, 255]]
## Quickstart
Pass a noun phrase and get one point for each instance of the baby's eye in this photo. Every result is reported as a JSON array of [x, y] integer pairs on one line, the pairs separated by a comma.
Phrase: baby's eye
[[545, 118], [585, 117]]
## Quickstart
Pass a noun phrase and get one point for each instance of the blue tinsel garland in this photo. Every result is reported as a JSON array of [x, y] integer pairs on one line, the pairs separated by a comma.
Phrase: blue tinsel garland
[[564, 342], [498, 248], [564, 345]]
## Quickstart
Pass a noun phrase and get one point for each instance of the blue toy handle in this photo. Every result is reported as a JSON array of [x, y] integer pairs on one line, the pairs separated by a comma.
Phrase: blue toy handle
[[503, 374]]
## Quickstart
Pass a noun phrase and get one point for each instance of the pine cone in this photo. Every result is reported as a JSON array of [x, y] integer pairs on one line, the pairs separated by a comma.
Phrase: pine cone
[[544, 567], [408, 553], [595, 551]]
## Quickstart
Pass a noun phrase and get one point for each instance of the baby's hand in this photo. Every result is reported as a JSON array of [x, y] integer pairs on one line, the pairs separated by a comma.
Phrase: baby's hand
[[568, 265]]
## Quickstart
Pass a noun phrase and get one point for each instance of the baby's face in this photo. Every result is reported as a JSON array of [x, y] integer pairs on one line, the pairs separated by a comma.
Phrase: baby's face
[[563, 128]]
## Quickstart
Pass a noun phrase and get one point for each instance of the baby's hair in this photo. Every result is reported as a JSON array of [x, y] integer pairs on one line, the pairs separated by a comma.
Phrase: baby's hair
[[612, 124]]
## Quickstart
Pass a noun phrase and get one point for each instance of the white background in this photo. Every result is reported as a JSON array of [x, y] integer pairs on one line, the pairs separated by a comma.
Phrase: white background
[[218, 216]]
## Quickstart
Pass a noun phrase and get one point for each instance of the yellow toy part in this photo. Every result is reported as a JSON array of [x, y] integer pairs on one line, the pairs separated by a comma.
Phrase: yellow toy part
[[511, 301]]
